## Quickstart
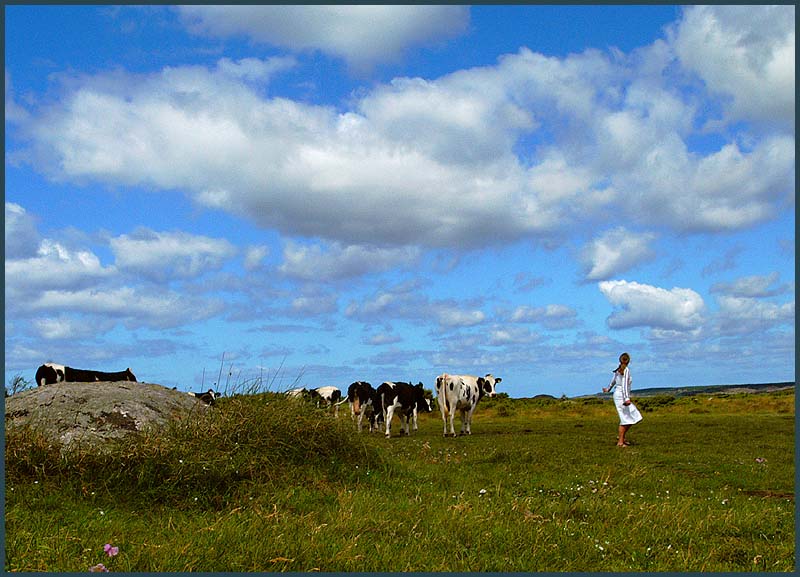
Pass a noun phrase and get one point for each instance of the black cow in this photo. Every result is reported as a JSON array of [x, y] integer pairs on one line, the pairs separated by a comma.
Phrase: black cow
[[404, 397], [50, 373], [208, 397], [361, 396]]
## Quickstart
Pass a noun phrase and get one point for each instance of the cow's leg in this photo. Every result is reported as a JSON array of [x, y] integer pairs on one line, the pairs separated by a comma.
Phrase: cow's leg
[[416, 428], [469, 420], [388, 418], [453, 411], [464, 422], [443, 410]]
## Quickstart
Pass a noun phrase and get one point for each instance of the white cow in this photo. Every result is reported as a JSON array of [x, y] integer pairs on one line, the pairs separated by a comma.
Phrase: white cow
[[462, 393], [330, 397]]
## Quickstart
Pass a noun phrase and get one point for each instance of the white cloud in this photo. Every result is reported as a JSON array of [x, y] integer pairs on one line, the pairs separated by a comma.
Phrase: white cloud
[[744, 53], [452, 316], [54, 266], [438, 162], [405, 302], [254, 256], [315, 263], [164, 256], [747, 315], [551, 316], [134, 307], [615, 252], [22, 237], [362, 35], [314, 304], [757, 286], [63, 327], [640, 305]]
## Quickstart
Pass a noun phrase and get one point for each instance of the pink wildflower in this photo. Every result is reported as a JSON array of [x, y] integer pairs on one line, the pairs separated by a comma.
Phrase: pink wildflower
[[99, 568], [110, 551]]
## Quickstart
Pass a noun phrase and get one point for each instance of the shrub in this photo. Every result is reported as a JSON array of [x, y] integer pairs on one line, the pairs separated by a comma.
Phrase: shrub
[[654, 402]]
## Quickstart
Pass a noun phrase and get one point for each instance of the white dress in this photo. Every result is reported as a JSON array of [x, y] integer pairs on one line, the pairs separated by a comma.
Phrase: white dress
[[628, 414]]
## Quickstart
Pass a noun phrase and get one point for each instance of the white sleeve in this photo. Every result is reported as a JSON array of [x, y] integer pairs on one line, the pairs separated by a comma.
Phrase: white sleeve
[[626, 385]]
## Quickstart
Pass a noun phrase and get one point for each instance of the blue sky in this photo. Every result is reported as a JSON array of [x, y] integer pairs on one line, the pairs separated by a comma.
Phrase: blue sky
[[325, 194]]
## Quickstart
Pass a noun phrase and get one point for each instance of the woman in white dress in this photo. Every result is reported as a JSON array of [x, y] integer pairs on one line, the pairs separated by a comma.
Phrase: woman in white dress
[[621, 385]]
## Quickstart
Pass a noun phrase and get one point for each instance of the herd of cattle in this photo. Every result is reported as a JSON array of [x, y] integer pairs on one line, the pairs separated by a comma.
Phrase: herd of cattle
[[455, 394]]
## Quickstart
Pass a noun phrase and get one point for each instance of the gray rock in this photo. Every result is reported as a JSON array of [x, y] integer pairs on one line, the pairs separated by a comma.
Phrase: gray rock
[[91, 415]]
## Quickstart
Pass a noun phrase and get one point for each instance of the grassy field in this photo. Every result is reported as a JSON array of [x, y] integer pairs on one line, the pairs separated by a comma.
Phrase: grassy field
[[268, 485]]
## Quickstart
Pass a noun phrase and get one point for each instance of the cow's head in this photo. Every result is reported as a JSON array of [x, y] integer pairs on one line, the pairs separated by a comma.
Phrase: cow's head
[[486, 385], [360, 394], [423, 404]]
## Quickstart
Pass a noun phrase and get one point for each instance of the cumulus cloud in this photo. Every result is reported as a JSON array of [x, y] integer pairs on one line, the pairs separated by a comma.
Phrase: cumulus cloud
[[440, 162], [254, 257], [164, 256], [63, 327], [137, 308], [745, 55], [640, 305], [54, 266], [314, 304], [22, 236], [757, 286], [404, 302], [551, 316], [315, 263], [747, 315], [615, 252], [361, 35]]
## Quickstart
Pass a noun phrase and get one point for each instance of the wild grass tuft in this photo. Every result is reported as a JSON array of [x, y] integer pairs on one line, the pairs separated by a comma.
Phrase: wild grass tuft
[[264, 438]]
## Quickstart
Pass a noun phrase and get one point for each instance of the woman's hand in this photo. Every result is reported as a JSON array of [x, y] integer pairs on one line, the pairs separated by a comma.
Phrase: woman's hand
[[626, 403], [605, 389]]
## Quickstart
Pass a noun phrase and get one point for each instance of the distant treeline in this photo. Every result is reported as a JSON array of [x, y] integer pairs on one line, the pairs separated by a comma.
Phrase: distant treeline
[[689, 391]]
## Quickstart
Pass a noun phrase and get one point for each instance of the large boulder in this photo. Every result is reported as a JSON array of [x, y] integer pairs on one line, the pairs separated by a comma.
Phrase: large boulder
[[92, 414]]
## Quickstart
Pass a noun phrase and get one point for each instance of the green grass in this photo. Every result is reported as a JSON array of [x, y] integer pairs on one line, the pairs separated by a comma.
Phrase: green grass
[[268, 485]]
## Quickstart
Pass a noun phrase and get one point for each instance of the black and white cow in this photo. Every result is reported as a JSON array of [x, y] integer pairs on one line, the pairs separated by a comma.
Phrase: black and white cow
[[208, 397], [405, 398], [462, 393], [361, 396], [329, 396], [299, 393], [50, 373]]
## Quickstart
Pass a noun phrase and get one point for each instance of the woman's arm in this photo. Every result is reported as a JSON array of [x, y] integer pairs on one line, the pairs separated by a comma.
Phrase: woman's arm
[[626, 386]]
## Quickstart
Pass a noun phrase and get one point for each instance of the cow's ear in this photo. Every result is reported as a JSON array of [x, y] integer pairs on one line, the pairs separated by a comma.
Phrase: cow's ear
[[498, 379]]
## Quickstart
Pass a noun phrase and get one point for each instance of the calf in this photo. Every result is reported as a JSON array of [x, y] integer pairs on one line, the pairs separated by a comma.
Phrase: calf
[[50, 373], [462, 393], [361, 396], [403, 397], [329, 396], [208, 397]]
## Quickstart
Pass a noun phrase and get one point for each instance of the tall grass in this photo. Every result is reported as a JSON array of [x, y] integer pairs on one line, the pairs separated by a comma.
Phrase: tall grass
[[265, 484]]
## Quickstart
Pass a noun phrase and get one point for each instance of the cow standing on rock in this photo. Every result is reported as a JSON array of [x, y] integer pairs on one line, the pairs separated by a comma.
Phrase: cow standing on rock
[[462, 393], [50, 373]]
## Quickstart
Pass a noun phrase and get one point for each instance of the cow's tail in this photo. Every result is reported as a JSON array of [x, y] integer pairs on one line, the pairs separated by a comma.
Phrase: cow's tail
[[344, 400]]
